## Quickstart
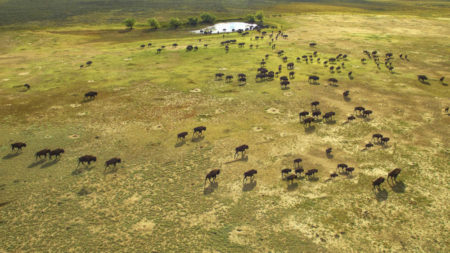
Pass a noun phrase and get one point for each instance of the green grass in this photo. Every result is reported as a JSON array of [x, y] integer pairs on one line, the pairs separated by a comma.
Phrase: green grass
[[156, 200]]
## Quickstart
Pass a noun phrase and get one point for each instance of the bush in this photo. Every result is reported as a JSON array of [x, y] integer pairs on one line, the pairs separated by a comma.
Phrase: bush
[[207, 18], [153, 22], [129, 22], [250, 18], [174, 23], [193, 21], [259, 16]]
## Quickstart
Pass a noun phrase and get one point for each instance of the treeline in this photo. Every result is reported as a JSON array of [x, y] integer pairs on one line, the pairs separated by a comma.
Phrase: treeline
[[204, 18]]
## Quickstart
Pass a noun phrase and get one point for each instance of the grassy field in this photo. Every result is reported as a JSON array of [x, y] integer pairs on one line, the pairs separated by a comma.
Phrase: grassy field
[[156, 200]]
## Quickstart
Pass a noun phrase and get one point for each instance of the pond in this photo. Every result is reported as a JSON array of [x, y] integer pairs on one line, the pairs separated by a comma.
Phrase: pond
[[226, 27]]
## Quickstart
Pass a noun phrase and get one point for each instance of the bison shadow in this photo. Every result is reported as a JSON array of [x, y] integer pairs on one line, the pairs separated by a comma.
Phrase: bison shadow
[[180, 143], [351, 77], [330, 122], [110, 170], [330, 156], [36, 163], [197, 139], [50, 163], [310, 129], [78, 171], [313, 179], [211, 188], [292, 187], [398, 187], [425, 82], [242, 159], [381, 195], [347, 99], [85, 101], [249, 186], [10, 155]]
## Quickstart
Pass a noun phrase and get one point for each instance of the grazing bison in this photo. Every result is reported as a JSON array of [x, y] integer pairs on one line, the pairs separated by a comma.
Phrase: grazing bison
[[315, 104], [297, 162], [377, 136], [284, 78], [18, 146], [142, 46], [285, 171], [303, 114], [308, 121], [299, 171], [56, 153], [212, 175], [369, 145], [290, 65], [359, 109], [292, 74], [313, 79], [87, 159], [90, 95], [242, 80], [250, 174], [328, 151], [384, 140], [422, 78], [312, 44], [349, 170], [366, 113], [189, 48], [316, 113], [378, 182], [291, 178], [219, 76], [199, 130], [241, 149], [113, 161], [332, 81], [284, 83], [346, 93], [342, 166], [27, 86], [228, 78], [393, 174], [89, 63], [41, 153], [351, 117], [333, 175], [311, 172], [182, 136]]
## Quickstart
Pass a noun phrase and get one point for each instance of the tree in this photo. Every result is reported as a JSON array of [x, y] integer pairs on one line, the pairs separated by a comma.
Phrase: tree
[[193, 21], [250, 18], [129, 22], [207, 18], [174, 22], [154, 24], [259, 16]]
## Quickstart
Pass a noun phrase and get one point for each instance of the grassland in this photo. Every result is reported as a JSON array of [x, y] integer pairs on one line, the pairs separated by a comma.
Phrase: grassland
[[156, 199]]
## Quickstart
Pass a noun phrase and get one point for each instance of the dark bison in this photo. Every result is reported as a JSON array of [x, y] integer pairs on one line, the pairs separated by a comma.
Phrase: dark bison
[[241, 149], [42, 153], [349, 170], [377, 136], [182, 135], [303, 114], [359, 109], [422, 78], [351, 117], [308, 121], [384, 140], [311, 172], [369, 145], [199, 130], [18, 146], [342, 166], [346, 93], [291, 178], [90, 95], [378, 182], [290, 65], [285, 171], [297, 162], [219, 76], [212, 175], [87, 159], [250, 174], [333, 175], [315, 104], [299, 171], [366, 113], [56, 153], [313, 79], [328, 151], [393, 174], [113, 161]]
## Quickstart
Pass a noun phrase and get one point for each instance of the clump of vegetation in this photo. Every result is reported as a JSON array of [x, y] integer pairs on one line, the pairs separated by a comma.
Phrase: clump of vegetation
[[175, 23], [129, 22], [207, 18], [193, 21], [154, 23]]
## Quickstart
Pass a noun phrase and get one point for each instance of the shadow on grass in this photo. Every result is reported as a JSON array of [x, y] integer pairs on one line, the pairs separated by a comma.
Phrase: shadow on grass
[[110, 170], [381, 195], [313, 179], [242, 159], [310, 129], [85, 101], [292, 187], [180, 143], [78, 171], [249, 186], [398, 187], [36, 163], [49, 164], [347, 99], [211, 188], [330, 156], [10, 155], [330, 122], [197, 139]]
